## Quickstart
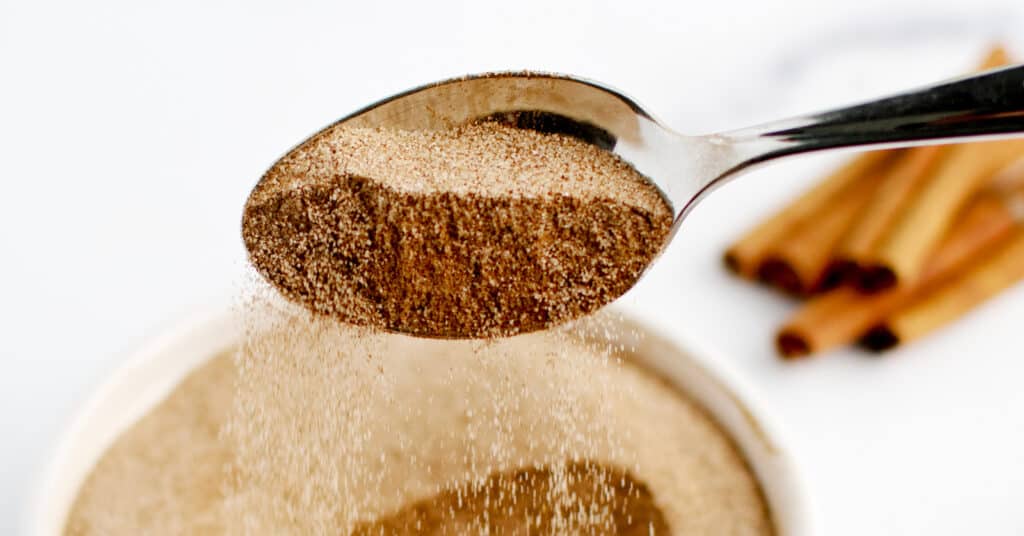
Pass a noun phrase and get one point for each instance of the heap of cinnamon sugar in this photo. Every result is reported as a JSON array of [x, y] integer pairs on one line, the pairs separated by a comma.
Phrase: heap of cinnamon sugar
[[520, 501], [482, 230]]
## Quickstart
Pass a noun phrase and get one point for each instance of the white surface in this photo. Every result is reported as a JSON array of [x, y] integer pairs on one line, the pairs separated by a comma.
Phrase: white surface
[[130, 135]]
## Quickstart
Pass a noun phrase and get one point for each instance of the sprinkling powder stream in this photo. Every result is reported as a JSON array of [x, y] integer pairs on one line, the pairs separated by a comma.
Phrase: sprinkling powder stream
[[338, 428], [337, 425]]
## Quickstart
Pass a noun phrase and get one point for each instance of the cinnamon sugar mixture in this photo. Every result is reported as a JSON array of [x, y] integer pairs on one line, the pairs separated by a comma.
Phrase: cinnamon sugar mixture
[[478, 231]]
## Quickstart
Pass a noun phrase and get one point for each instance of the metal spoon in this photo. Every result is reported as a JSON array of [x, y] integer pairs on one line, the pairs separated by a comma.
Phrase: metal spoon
[[686, 168]]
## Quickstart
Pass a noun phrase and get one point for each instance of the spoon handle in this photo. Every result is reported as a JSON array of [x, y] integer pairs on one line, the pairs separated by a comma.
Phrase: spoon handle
[[989, 104]]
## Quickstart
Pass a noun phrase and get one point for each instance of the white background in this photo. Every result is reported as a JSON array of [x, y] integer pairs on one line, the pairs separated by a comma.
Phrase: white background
[[130, 135]]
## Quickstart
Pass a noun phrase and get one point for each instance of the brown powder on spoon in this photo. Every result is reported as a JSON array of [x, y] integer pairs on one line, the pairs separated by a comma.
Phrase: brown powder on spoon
[[478, 231]]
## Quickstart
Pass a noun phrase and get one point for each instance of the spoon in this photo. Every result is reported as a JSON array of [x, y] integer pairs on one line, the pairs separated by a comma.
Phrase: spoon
[[686, 168]]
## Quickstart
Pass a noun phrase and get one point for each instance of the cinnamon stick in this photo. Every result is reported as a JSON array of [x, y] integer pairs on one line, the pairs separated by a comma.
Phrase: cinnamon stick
[[800, 263], [747, 255], [915, 234], [953, 298], [924, 201], [751, 256], [843, 315], [901, 182]]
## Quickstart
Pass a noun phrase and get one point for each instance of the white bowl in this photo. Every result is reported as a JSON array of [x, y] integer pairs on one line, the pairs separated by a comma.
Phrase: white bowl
[[151, 374]]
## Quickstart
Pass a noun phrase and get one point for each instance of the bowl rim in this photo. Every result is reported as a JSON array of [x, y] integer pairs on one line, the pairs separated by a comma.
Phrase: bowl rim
[[214, 328], [789, 484], [52, 494]]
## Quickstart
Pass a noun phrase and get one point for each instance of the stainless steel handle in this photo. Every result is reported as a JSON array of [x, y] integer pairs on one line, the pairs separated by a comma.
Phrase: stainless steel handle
[[989, 104]]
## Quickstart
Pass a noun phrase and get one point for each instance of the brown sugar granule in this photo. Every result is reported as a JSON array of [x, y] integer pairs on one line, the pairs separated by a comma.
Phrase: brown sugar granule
[[519, 502], [478, 231]]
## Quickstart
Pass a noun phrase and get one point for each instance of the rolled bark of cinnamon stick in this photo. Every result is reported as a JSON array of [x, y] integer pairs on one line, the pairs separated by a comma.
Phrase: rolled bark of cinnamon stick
[[801, 263], [746, 256], [920, 218], [900, 188], [902, 181], [749, 256], [916, 233], [955, 297], [845, 314]]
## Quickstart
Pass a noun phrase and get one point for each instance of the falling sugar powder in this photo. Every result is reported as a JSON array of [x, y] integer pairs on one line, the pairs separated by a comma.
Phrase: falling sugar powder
[[449, 417]]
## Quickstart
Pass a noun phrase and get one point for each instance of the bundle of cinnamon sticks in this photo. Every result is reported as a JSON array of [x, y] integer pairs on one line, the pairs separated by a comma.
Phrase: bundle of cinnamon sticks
[[894, 244]]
